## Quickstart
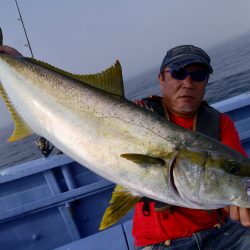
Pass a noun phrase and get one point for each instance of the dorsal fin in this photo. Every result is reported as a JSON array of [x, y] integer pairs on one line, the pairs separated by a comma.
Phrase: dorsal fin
[[21, 130], [109, 80]]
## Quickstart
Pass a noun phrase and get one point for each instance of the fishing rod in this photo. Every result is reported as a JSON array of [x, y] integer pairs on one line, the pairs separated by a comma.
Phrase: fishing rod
[[21, 19], [1, 37], [43, 145]]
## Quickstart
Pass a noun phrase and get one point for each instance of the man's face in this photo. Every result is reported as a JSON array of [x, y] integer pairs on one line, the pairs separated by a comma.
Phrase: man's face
[[182, 97]]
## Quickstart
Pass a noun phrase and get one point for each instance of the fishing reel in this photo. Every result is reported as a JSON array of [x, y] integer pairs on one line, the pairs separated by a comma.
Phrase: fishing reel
[[44, 146]]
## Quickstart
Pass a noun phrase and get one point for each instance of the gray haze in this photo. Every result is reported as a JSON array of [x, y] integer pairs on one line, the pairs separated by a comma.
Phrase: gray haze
[[87, 36]]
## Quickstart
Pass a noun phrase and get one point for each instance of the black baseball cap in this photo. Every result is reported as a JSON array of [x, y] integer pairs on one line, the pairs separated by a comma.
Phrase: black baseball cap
[[181, 56]]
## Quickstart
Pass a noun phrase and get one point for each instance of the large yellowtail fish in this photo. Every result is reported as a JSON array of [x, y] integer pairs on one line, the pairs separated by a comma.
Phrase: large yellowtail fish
[[88, 118]]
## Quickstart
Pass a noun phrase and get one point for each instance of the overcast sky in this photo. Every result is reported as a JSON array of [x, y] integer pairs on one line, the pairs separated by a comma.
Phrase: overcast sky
[[87, 36]]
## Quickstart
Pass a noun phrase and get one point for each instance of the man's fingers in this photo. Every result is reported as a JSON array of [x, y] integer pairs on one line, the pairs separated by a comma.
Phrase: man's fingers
[[9, 50], [227, 209], [235, 213], [244, 216], [240, 214]]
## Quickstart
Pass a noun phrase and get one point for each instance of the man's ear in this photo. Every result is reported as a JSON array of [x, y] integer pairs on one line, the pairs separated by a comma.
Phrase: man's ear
[[161, 78]]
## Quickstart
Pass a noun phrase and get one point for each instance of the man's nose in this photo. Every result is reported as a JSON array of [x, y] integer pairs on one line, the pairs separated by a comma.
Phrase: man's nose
[[188, 82]]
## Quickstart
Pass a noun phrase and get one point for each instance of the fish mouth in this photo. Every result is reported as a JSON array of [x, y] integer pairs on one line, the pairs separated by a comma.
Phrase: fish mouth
[[246, 183]]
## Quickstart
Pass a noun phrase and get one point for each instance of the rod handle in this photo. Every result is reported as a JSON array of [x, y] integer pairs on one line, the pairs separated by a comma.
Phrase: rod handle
[[1, 37]]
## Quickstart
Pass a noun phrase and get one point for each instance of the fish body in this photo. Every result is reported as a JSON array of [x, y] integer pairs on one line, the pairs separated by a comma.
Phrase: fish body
[[123, 143]]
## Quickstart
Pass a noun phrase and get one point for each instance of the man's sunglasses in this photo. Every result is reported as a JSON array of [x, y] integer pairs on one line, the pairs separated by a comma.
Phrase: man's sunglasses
[[181, 74]]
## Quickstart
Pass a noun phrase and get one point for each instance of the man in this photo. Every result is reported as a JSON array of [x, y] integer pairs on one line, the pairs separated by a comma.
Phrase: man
[[183, 78]]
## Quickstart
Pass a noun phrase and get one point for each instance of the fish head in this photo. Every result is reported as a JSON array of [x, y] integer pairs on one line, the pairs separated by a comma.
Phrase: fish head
[[210, 181]]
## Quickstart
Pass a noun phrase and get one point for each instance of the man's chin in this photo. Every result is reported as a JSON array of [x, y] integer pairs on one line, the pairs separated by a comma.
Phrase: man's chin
[[185, 111], [186, 106]]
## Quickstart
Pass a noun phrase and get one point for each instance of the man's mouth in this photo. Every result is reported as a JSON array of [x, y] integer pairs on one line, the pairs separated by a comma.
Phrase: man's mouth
[[188, 97]]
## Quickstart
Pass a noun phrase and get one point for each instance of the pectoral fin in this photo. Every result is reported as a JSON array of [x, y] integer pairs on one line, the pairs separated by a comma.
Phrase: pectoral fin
[[143, 159], [21, 129], [121, 202]]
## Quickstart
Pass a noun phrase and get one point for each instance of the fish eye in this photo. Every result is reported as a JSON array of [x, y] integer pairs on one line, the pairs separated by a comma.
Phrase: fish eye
[[233, 167]]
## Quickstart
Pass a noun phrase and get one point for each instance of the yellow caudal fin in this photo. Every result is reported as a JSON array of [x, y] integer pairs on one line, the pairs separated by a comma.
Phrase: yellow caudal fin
[[21, 130], [121, 202], [109, 80]]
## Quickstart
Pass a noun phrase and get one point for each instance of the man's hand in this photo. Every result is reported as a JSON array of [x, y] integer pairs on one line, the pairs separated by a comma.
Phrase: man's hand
[[239, 214], [9, 50]]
